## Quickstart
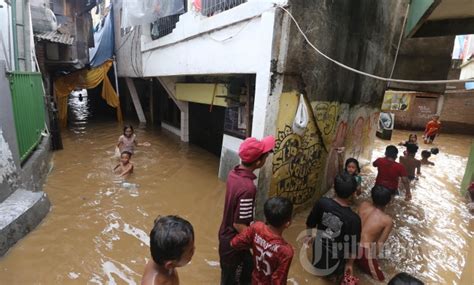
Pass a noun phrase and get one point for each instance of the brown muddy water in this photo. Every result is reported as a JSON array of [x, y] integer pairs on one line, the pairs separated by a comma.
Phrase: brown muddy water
[[97, 230]]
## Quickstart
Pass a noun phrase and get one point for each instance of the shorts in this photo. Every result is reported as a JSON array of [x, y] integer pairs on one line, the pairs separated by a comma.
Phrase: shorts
[[239, 273], [369, 264], [431, 138], [411, 177]]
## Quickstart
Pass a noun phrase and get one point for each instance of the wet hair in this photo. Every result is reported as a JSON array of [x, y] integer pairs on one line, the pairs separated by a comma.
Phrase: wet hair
[[169, 238], [352, 160], [412, 135], [126, 152], [127, 127], [435, 150], [404, 279], [391, 151], [381, 196], [345, 185], [412, 148], [425, 154], [278, 211]]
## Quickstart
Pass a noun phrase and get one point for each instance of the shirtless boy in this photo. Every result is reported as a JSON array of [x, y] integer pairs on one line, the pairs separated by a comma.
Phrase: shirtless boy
[[411, 163], [125, 167], [171, 246], [376, 226]]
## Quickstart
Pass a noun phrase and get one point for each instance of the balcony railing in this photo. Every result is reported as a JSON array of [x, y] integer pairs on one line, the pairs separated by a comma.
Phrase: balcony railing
[[28, 110], [213, 7]]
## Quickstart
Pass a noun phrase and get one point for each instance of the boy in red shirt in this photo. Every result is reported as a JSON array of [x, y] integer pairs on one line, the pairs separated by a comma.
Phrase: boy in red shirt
[[272, 254], [390, 171], [236, 265]]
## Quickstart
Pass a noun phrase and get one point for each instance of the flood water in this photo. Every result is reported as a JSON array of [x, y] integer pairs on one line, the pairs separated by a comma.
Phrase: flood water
[[97, 230]]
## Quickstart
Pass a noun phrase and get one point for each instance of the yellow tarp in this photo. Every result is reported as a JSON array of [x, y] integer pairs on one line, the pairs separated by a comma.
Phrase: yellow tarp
[[86, 79]]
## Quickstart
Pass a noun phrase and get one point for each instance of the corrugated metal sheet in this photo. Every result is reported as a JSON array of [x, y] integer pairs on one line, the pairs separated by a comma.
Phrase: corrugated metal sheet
[[56, 37]]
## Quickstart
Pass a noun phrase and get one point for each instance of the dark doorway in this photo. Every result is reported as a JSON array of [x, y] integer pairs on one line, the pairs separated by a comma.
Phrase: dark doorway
[[206, 127]]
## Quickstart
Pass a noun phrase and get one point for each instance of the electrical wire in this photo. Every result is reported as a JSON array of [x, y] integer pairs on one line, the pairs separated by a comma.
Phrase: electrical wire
[[365, 73]]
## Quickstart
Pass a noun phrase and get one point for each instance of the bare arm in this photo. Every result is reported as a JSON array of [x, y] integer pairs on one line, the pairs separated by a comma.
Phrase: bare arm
[[384, 236], [239, 227], [127, 171]]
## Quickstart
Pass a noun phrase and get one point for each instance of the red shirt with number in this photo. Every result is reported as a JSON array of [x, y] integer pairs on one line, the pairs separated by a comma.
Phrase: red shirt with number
[[272, 254]]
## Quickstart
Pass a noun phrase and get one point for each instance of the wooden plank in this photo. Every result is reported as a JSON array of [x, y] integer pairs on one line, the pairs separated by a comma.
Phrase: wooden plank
[[136, 100]]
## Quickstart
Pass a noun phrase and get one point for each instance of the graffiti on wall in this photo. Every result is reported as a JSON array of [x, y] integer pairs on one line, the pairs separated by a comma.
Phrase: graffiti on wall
[[304, 167], [297, 160]]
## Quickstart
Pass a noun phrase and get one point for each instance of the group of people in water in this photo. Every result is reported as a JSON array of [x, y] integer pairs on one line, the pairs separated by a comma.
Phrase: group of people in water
[[255, 252]]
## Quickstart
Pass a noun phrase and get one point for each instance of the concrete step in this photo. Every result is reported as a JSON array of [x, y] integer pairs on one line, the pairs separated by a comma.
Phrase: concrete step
[[20, 213]]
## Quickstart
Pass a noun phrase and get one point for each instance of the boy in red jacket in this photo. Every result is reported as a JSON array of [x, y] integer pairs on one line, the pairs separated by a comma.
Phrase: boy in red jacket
[[272, 254], [432, 129]]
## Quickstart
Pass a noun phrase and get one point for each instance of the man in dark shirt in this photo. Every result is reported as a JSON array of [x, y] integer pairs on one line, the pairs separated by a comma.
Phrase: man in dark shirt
[[390, 171], [236, 265], [338, 230]]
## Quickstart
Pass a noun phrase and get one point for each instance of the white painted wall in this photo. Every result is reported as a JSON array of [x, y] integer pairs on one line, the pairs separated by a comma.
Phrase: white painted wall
[[234, 41], [6, 40], [467, 69]]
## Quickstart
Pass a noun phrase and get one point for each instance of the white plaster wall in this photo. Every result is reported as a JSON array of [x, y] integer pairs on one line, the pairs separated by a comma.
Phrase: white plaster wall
[[6, 41], [7, 164], [467, 70], [234, 41]]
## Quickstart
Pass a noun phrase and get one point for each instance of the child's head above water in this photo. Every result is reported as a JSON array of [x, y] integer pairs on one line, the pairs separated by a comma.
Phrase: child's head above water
[[425, 154], [345, 185], [128, 131], [412, 138], [125, 156], [352, 166], [391, 151], [278, 212], [172, 242], [381, 196]]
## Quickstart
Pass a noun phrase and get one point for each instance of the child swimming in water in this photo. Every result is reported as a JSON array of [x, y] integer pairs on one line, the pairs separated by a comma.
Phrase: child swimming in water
[[351, 167], [171, 246], [128, 140], [425, 155], [412, 139], [125, 167]]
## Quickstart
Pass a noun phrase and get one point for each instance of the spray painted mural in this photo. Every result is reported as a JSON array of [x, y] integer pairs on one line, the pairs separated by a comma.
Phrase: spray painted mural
[[304, 167], [298, 161]]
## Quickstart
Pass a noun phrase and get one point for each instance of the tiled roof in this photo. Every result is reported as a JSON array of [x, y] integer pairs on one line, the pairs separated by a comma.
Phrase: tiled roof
[[56, 37]]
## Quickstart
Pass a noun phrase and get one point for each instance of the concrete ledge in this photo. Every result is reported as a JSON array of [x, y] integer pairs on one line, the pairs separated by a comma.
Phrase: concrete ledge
[[20, 214], [35, 170]]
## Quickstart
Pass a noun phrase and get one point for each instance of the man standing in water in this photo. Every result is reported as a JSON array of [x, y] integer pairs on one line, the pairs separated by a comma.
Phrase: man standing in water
[[390, 171], [237, 265]]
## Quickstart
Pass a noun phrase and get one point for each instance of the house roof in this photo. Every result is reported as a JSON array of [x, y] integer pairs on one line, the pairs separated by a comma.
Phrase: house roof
[[56, 37]]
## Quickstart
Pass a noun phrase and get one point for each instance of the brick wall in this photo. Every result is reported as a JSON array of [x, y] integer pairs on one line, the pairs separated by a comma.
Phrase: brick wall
[[458, 113]]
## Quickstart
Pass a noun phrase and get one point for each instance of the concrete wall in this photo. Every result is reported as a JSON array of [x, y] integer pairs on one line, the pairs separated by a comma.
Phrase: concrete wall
[[127, 46], [6, 42], [9, 155], [457, 115], [424, 59], [343, 107]]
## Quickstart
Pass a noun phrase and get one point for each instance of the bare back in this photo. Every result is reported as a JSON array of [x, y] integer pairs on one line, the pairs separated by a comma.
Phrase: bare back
[[376, 225]]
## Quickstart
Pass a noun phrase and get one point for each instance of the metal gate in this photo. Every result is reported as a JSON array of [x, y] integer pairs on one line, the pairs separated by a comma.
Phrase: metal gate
[[28, 110]]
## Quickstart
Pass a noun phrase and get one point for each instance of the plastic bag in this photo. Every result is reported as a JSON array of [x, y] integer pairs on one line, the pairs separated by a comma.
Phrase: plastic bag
[[301, 118], [142, 12]]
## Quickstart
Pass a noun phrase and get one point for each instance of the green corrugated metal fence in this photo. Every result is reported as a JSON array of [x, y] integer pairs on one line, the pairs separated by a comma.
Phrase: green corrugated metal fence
[[28, 110]]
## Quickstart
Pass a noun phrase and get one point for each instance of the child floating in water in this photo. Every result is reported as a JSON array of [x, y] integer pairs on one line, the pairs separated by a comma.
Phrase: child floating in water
[[376, 227], [351, 167], [427, 154], [125, 167], [171, 246], [412, 139], [128, 141]]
